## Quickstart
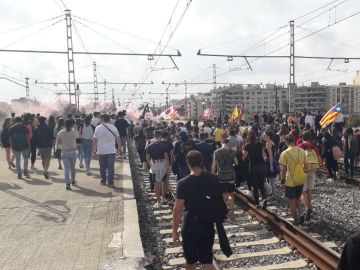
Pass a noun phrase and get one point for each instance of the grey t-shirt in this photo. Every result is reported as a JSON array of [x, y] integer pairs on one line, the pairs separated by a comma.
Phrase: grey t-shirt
[[68, 139]]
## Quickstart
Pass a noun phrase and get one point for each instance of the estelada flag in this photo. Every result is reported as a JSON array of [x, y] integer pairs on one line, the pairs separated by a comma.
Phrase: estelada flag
[[331, 115], [144, 111], [234, 115], [206, 114]]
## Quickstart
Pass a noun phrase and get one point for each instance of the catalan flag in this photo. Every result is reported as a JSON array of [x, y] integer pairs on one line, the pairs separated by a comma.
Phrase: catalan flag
[[234, 115], [331, 115]]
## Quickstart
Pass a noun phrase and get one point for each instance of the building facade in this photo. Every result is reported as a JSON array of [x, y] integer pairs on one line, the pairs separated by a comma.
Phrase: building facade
[[348, 95]]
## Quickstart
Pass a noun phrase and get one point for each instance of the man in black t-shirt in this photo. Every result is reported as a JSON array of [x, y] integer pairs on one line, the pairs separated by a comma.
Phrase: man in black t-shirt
[[197, 234], [19, 141], [206, 150], [123, 128], [158, 158]]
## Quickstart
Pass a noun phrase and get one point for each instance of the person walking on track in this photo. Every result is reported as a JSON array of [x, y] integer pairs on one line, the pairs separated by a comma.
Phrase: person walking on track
[[293, 166], [198, 233]]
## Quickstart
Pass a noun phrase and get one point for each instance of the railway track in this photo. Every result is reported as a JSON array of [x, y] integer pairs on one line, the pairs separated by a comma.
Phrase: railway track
[[261, 239]]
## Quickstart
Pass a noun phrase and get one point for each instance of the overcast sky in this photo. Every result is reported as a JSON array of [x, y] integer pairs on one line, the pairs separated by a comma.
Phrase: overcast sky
[[207, 24]]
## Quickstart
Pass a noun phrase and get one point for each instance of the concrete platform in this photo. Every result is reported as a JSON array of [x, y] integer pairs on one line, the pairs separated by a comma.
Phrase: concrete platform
[[44, 226]]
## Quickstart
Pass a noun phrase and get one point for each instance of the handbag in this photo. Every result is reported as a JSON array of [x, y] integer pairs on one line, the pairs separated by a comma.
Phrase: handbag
[[337, 153], [57, 153]]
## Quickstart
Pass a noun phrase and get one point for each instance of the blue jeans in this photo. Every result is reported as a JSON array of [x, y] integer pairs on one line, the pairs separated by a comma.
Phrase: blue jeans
[[349, 162], [69, 159], [86, 147], [123, 144], [25, 155], [107, 162]]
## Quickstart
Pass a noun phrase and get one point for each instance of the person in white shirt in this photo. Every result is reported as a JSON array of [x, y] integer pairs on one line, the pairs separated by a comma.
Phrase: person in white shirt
[[105, 136], [96, 119], [86, 132], [309, 119]]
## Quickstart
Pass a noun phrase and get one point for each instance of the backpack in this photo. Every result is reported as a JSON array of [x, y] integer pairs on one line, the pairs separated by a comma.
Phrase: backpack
[[19, 141], [312, 160], [337, 153], [210, 205], [42, 138], [185, 148], [299, 176], [82, 126]]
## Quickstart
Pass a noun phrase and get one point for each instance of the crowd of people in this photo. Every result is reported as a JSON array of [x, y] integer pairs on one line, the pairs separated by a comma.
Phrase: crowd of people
[[66, 139], [278, 153]]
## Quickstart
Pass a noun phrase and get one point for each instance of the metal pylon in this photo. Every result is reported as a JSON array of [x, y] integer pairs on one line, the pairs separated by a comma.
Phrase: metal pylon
[[73, 94], [292, 62], [96, 92]]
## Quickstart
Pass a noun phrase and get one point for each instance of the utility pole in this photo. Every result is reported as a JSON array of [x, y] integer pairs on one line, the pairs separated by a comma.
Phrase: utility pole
[[113, 99], [185, 101], [96, 92], [27, 88], [276, 98], [71, 65], [292, 62], [214, 85]]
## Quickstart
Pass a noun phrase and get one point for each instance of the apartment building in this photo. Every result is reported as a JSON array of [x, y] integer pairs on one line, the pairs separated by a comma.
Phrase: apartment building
[[348, 95]]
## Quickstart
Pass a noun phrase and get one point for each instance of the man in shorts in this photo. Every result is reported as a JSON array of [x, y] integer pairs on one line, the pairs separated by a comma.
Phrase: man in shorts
[[44, 139], [197, 234], [158, 158], [310, 183], [223, 165], [289, 159]]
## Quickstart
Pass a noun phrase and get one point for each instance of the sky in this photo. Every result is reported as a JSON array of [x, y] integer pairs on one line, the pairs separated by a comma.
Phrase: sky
[[136, 26]]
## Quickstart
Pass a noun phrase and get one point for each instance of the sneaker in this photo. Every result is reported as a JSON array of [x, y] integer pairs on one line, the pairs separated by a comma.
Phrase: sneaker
[[112, 186], [163, 200], [27, 174], [68, 187], [264, 205], [157, 205], [46, 175], [13, 165], [337, 175], [81, 165], [88, 172], [300, 220], [103, 183], [60, 168], [308, 214], [73, 183], [32, 167], [19, 176]]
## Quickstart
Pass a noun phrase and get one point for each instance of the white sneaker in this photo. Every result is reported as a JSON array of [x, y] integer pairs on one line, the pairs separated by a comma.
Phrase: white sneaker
[[338, 175], [157, 205], [88, 172]]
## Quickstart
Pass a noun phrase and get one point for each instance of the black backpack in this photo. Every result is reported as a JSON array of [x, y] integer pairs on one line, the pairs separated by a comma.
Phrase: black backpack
[[185, 148], [210, 205], [19, 141]]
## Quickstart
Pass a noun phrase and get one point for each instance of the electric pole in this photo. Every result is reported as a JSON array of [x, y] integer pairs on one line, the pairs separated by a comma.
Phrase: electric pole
[[71, 65], [96, 92], [292, 62], [276, 98], [27, 88], [113, 99], [214, 85], [185, 101]]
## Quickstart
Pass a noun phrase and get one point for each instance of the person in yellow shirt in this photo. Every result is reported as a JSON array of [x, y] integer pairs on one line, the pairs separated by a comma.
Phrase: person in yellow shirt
[[218, 135], [290, 160]]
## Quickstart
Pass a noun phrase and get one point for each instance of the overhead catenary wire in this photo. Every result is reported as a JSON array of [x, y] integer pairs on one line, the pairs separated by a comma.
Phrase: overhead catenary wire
[[102, 35], [32, 34], [29, 25]]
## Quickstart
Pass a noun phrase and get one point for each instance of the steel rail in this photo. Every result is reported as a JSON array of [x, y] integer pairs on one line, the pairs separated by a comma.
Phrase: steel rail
[[323, 257]]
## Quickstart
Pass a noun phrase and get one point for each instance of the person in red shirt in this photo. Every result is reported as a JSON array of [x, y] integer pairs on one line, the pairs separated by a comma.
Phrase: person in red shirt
[[310, 183]]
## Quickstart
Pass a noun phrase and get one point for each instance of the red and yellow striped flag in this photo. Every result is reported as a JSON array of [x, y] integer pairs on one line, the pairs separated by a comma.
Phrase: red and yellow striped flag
[[234, 115], [331, 115]]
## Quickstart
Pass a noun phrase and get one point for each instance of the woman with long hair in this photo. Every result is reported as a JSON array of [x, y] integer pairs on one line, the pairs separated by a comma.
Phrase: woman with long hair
[[6, 143], [60, 126], [272, 166], [255, 152], [67, 140], [86, 131], [78, 123]]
